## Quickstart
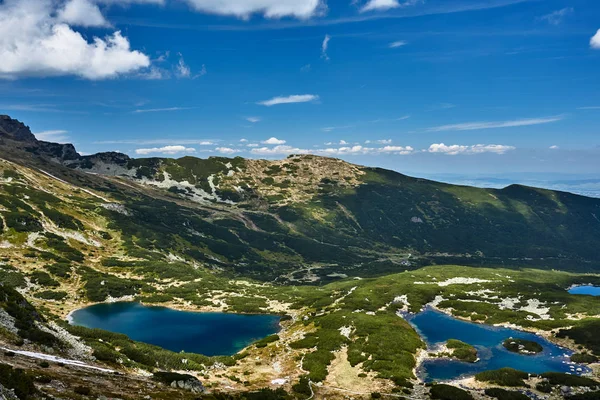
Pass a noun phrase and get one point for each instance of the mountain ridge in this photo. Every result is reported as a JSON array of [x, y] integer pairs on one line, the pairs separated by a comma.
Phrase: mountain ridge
[[307, 211]]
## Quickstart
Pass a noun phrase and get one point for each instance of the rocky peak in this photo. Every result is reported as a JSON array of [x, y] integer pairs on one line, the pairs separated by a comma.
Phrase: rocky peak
[[15, 130]]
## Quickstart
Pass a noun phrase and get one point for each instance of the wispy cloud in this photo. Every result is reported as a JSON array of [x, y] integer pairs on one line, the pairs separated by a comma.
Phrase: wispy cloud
[[557, 17], [168, 150], [151, 110], [324, 47], [254, 120], [589, 108], [182, 70], [296, 98], [335, 128], [56, 136], [398, 43], [159, 141], [474, 149], [471, 126]]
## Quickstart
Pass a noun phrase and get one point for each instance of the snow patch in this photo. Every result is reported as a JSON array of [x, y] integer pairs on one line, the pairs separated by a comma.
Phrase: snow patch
[[462, 281], [47, 357]]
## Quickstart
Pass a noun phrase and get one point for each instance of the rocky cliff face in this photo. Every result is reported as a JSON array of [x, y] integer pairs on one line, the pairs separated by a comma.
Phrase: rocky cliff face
[[15, 134], [15, 130]]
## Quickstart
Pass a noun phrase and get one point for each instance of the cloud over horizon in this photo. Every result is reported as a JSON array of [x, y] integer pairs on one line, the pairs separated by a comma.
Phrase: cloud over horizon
[[169, 150]]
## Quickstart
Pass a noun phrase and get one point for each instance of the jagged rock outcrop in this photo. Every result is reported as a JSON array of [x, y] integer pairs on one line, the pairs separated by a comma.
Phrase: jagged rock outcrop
[[15, 130]]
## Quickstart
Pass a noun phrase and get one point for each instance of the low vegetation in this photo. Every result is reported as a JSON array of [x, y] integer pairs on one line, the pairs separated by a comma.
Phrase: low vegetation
[[522, 346], [504, 377], [462, 351]]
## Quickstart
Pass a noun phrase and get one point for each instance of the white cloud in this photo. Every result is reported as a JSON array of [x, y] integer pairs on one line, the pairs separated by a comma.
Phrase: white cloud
[[82, 13], [556, 17], [396, 44], [56, 136], [589, 108], [296, 98], [554, 147], [277, 150], [273, 140], [475, 149], [324, 47], [151, 110], [471, 126], [206, 143], [595, 40], [243, 140], [397, 150], [35, 41], [254, 120], [170, 150], [333, 151], [227, 150], [252, 145], [153, 74], [378, 5], [301, 9]]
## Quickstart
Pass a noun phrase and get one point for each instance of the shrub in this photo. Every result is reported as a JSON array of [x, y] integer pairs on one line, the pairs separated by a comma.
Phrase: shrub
[[557, 378], [43, 279], [503, 377], [265, 341], [83, 390], [17, 380], [584, 358], [503, 394], [51, 295], [303, 386], [447, 392]]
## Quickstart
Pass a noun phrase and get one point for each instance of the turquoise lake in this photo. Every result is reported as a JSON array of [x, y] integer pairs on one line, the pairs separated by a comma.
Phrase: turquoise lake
[[210, 334], [436, 328], [585, 289]]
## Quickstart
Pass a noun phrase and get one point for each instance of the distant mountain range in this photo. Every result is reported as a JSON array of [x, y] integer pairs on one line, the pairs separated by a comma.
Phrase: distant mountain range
[[303, 218]]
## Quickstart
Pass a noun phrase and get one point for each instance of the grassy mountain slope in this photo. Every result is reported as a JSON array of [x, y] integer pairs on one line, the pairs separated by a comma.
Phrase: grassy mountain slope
[[301, 218], [239, 235]]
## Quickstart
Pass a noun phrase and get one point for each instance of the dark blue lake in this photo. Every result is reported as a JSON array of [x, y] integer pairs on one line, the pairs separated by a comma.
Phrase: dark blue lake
[[436, 328], [585, 289], [210, 334]]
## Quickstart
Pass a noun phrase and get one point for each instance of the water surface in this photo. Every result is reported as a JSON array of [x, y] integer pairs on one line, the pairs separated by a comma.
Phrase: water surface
[[436, 328], [204, 333], [585, 289]]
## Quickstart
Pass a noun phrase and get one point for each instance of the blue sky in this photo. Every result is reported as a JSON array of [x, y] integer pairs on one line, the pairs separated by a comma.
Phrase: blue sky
[[420, 86]]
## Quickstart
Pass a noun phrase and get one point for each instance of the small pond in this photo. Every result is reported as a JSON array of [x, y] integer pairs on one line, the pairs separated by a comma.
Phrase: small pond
[[203, 333], [436, 328], [585, 289]]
